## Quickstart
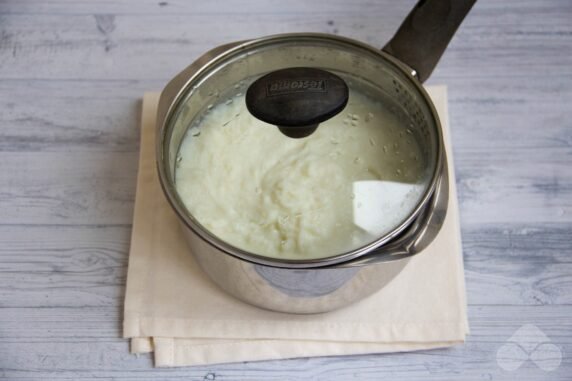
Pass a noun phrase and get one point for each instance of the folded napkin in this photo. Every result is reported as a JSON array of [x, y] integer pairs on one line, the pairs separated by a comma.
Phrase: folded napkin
[[173, 309]]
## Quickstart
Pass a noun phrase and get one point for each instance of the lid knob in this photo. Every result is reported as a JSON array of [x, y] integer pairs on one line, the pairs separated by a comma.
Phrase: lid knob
[[297, 99]]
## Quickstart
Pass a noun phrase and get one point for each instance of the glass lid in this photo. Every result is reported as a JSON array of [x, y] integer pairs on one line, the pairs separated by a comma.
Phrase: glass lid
[[347, 181]]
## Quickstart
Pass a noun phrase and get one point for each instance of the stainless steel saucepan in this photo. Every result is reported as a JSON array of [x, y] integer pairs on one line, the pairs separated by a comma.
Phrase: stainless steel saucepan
[[297, 84]]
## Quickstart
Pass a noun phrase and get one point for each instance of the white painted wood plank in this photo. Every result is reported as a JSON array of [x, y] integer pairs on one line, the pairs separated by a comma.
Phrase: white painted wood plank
[[63, 266], [74, 116], [545, 9], [513, 146], [99, 187], [61, 355], [510, 115], [67, 188], [30, 324], [511, 165], [219, 8], [531, 115], [115, 46], [85, 266]]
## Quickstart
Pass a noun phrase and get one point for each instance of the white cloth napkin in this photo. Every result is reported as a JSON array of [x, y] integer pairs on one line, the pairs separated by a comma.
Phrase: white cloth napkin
[[173, 309]]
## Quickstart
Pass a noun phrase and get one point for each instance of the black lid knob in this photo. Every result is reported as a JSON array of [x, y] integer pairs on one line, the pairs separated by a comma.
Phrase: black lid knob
[[297, 99]]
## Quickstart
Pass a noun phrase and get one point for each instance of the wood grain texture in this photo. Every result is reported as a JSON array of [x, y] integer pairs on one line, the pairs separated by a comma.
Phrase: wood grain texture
[[94, 350], [106, 45], [84, 266], [72, 74]]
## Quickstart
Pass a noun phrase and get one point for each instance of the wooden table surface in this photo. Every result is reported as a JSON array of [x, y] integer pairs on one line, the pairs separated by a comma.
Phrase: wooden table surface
[[72, 74]]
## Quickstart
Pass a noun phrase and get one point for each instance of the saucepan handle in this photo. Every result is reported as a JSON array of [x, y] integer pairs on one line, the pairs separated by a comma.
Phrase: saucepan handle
[[424, 35]]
